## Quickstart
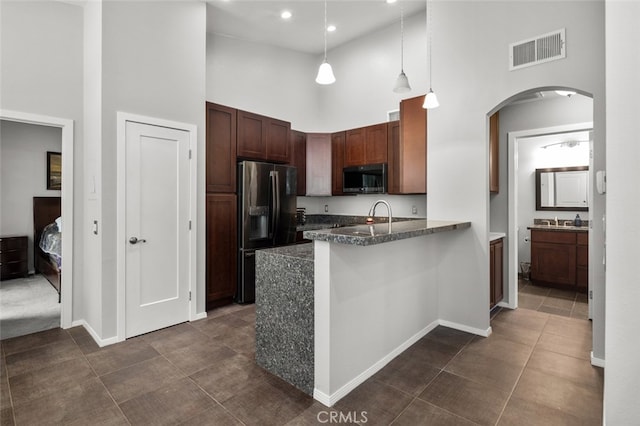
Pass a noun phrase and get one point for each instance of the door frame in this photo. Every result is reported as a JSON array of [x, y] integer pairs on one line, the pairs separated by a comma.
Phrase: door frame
[[66, 125], [121, 237], [513, 140]]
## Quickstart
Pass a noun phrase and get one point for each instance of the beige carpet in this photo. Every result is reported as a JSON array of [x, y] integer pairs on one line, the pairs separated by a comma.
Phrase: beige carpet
[[27, 305]]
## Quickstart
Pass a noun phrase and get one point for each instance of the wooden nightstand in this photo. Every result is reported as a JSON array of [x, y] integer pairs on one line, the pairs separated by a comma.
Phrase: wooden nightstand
[[13, 257]]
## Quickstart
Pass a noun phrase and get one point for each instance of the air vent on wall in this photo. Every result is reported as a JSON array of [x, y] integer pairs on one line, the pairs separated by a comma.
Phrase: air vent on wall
[[537, 50], [393, 115]]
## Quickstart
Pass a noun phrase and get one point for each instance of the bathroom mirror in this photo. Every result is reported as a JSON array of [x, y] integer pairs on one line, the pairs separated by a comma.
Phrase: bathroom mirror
[[562, 188]]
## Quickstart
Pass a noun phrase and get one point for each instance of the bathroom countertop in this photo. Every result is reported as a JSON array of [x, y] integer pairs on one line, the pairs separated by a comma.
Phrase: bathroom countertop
[[559, 228]]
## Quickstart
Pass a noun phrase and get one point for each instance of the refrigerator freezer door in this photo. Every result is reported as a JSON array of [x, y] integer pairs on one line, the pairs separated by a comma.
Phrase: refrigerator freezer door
[[255, 204], [285, 232]]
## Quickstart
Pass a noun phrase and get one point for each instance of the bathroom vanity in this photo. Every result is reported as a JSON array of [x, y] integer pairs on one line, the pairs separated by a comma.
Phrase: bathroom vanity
[[560, 256]]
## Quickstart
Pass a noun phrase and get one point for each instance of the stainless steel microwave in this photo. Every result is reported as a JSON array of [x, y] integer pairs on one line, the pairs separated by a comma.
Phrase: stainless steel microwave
[[369, 179]]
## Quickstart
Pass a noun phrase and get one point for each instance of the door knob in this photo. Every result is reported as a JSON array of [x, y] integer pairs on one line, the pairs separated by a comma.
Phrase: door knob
[[135, 240]]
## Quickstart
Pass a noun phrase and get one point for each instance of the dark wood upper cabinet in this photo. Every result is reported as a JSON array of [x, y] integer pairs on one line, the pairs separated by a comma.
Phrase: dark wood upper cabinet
[[220, 148], [263, 138], [366, 145], [410, 157], [494, 153], [299, 155], [278, 136], [393, 157], [252, 136], [337, 161]]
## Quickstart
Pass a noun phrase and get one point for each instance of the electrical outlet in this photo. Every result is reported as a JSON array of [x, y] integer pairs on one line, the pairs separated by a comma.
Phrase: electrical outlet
[[326, 208], [414, 210]]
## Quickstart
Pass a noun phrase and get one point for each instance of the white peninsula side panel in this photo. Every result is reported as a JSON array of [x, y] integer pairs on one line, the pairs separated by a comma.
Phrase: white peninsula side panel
[[371, 303]]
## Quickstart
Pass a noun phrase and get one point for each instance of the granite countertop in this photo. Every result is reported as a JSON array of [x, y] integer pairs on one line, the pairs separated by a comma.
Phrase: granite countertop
[[366, 235], [325, 221], [559, 228], [302, 251]]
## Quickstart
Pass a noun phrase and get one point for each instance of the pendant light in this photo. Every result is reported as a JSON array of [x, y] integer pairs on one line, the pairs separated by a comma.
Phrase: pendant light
[[402, 82], [325, 72], [430, 100]]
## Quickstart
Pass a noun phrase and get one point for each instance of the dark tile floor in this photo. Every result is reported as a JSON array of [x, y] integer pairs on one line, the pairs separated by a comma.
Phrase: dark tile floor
[[533, 369], [553, 301]]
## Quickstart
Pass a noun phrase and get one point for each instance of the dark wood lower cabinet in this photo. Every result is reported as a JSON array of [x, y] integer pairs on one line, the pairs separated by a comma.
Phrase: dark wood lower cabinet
[[582, 262], [560, 259], [222, 249], [496, 280]]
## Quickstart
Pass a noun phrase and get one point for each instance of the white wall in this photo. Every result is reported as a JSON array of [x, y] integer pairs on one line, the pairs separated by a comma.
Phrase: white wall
[[264, 80], [41, 60], [23, 175], [153, 65], [366, 70], [531, 116], [622, 372]]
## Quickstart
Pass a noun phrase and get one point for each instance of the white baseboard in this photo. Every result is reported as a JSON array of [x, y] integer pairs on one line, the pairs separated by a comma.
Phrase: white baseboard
[[597, 362], [199, 316], [461, 327], [330, 400], [100, 342]]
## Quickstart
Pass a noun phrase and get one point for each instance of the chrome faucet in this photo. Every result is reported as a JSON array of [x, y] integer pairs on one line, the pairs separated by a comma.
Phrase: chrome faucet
[[372, 212]]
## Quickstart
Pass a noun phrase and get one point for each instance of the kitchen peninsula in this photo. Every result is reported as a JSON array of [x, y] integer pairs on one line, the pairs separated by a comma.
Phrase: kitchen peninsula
[[331, 313]]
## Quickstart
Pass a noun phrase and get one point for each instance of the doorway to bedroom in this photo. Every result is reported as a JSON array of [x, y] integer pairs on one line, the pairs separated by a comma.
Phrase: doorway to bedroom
[[30, 214], [17, 214]]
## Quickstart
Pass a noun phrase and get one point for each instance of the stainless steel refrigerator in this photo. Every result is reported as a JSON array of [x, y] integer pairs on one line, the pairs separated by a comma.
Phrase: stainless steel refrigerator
[[267, 216]]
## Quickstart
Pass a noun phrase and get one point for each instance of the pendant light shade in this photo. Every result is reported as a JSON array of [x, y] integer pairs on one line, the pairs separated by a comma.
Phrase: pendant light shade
[[430, 101], [402, 82], [325, 72]]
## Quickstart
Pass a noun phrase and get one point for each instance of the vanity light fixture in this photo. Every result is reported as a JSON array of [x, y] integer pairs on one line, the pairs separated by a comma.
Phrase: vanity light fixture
[[325, 72], [566, 144], [430, 100], [567, 93], [402, 82]]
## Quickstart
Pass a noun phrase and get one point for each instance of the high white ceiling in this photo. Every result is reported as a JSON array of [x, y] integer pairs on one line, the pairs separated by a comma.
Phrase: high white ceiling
[[260, 21]]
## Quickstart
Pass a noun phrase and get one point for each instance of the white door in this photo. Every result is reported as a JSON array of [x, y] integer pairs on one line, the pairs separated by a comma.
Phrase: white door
[[157, 228]]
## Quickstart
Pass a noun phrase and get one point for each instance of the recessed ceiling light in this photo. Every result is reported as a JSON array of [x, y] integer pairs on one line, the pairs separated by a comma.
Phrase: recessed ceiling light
[[391, 1], [331, 28], [286, 14]]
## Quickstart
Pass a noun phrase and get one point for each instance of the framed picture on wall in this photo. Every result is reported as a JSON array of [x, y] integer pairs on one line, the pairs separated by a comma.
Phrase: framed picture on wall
[[54, 170]]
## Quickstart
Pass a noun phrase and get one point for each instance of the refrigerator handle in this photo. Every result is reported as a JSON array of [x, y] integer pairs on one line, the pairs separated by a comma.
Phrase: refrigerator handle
[[276, 210], [273, 188]]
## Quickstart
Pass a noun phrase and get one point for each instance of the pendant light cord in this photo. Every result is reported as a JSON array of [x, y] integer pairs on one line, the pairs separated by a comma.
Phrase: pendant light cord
[[401, 40], [429, 30], [325, 30]]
